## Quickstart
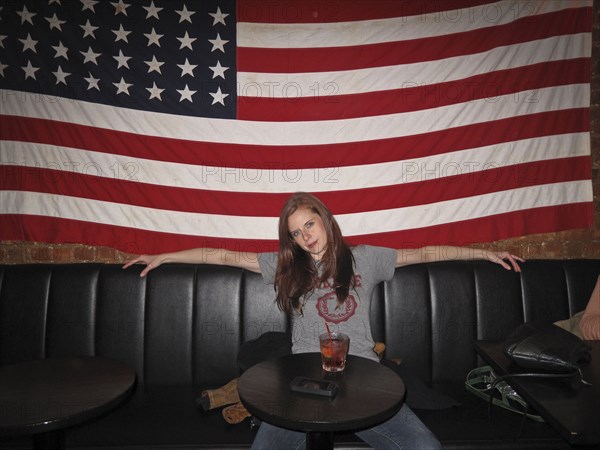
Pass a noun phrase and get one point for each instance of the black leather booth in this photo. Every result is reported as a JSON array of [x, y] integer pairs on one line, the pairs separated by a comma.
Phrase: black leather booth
[[182, 325]]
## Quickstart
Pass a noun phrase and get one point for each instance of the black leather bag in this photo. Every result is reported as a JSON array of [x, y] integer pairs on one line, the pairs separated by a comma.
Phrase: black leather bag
[[546, 348]]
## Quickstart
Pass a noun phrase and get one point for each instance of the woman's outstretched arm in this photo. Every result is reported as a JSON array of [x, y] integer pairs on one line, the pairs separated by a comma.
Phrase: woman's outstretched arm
[[447, 253], [243, 260]]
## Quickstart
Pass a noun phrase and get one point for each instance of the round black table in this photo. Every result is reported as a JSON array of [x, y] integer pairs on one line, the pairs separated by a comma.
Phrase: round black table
[[45, 396], [369, 394]]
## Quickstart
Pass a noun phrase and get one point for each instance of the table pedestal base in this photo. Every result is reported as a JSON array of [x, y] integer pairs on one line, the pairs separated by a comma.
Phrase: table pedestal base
[[52, 440], [321, 441]]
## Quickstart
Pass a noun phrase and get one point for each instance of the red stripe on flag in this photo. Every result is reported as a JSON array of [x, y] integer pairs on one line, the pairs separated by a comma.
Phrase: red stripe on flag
[[413, 97], [325, 59], [450, 182], [311, 11], [278, 157], [135, 241], [458, 186]]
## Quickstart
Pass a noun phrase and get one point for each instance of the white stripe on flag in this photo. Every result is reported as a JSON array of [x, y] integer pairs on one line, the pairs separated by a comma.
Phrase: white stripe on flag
[[298, 133], [240, 227], [295, 85], [465, 208], [231, 179]]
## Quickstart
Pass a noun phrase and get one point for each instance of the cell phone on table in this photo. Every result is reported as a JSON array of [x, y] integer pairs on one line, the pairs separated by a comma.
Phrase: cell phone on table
[[314, 386]]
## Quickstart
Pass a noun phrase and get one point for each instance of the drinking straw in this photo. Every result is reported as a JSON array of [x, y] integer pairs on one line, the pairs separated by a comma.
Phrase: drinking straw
[[328, 332]]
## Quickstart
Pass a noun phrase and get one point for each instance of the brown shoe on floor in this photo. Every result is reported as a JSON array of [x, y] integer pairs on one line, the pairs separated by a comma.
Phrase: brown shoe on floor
[[235, 413], [379, 348], [225, 395]]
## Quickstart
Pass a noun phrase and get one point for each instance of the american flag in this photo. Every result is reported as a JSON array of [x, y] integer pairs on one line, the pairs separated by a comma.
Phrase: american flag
[[154, 126]]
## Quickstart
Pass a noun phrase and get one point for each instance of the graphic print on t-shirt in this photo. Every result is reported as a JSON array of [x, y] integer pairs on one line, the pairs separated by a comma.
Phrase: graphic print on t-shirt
[[328, 308]]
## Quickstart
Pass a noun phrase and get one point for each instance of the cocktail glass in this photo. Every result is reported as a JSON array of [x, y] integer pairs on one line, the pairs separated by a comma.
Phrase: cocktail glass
[[334, 349]]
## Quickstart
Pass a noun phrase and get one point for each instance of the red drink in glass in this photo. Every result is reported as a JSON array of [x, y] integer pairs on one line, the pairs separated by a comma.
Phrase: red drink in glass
[[334, 349]]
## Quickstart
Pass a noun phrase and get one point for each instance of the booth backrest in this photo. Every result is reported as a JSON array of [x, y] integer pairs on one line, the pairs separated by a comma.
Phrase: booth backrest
[[183, 324], [432, 313]]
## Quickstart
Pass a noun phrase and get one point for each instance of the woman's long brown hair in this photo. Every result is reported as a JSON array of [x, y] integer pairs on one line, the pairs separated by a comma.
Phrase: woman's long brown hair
[[297, 273]]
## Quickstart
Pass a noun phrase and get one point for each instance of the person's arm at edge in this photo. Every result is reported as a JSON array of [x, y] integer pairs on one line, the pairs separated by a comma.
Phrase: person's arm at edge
[[434, 253], [590, 322], [223, 257]]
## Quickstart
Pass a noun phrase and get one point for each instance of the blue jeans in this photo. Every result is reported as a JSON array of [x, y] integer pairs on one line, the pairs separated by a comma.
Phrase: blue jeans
[[402, 431]]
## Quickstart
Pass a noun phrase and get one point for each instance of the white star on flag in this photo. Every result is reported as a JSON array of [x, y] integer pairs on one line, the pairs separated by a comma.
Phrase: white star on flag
[[152, 10], [187, 68], [30, 70], [120, 7], [121, 34], [155, 91], [154, 65], [29, 43], [218, 70], [122, 60], [186, 41], [61, 76], [88, 29], [55, 23], [61, 50], [93, 82], [122, 86], [186, 94], [90, 56], [153, 38], [26, 16], [218, 43], [185, 15], [218, 97], [89, 4], [218, 17]]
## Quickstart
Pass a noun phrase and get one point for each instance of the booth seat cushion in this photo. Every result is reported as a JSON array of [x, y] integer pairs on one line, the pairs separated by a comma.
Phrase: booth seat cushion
[[181, 328]]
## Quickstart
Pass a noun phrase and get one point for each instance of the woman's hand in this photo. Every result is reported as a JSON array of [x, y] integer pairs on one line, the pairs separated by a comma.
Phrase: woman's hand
[[500, 257], [151, 261]]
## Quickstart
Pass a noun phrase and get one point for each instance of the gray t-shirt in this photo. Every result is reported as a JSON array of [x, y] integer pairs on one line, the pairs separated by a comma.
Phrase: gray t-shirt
[[372, 266]]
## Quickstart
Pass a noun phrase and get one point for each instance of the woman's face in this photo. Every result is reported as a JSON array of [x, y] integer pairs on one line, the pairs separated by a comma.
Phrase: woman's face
[[307, 230]]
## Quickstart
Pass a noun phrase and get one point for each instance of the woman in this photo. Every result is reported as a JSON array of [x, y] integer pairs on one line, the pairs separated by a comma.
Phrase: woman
[[318, 278]]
